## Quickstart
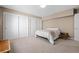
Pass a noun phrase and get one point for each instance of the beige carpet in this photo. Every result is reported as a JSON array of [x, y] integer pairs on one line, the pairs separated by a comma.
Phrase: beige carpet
[[41, 45]]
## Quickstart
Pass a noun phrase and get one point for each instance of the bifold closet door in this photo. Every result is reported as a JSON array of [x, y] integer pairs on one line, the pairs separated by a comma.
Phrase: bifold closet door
[[39, 24], [76, 27], [19, 26], [34, 25], [23, 26], [10, 26]]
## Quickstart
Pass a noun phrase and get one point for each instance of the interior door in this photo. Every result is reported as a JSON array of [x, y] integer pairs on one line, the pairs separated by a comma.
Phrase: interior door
[[76, 27], [23, 26], [10, 26]]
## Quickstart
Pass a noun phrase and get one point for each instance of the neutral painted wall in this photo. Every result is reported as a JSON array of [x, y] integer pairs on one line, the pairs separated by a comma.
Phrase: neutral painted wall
[[65, 24], [64, 13]]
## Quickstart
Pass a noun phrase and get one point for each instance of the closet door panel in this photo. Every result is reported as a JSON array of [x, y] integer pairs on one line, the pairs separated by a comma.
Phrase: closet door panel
[[39, 24], [23, 26], [33, 26], [76, 35], [76, 27], [11, 26]]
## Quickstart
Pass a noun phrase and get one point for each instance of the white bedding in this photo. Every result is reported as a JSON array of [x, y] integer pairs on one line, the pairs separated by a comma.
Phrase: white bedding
[[51, 34]]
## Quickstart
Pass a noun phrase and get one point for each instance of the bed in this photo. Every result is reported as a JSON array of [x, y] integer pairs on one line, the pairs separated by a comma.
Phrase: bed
[[50, 33]]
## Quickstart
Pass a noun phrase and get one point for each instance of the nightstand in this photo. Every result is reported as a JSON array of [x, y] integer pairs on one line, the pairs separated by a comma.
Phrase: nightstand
[[64, 35], [4, 46]]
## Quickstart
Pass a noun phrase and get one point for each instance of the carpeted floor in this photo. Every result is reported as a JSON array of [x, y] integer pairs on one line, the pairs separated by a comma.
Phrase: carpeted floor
[[41, 45]]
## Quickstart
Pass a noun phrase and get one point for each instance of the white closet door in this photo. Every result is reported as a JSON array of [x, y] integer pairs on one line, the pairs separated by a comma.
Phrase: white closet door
[[76, 27], [38, 24], [10, 26], [23, 26], [33, 26]]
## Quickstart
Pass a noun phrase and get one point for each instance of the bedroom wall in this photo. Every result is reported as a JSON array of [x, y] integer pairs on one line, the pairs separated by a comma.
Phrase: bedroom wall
[[65, 23]]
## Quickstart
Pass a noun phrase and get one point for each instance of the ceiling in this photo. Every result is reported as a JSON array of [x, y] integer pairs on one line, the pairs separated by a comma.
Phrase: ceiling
[[38, 11]]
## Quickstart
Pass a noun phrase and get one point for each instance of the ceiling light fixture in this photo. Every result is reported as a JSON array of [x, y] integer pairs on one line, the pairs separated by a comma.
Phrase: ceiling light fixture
[[42, 6]]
